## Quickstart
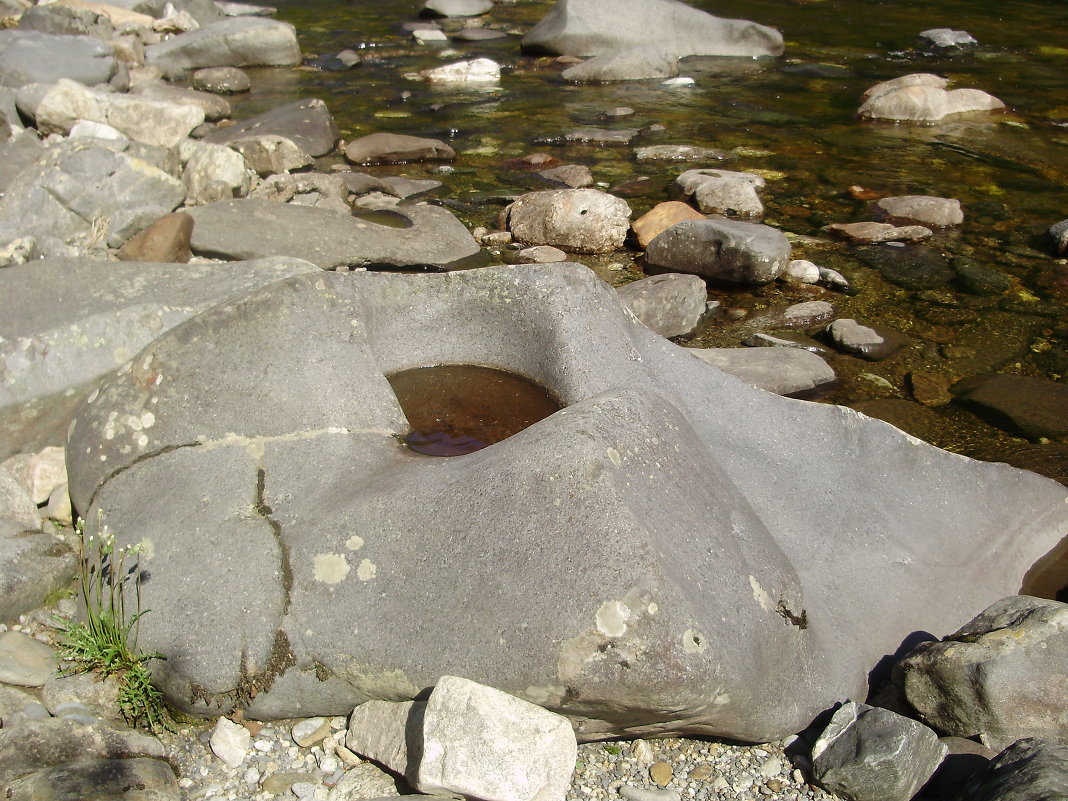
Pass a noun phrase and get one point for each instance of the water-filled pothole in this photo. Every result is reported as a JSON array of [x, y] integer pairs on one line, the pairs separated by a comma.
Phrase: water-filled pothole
[[455, 409]]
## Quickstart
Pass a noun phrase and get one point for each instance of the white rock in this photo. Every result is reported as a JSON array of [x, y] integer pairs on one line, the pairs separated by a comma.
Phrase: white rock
[[477, 70], [153, 122], [310, 731], [215, 172], [802, 272], [429, 35], [94, 130], [484, 743], [229, 742], [681, 80], [38, 473]]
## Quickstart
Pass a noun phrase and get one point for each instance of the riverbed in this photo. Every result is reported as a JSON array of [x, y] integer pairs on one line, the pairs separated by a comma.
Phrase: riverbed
[[793, 121]]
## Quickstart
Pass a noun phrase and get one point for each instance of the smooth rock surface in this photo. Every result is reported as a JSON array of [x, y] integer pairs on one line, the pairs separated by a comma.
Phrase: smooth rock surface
[[33, 57], [670, 304], [388, 148], [592, 27], [783, 371], [878, 232], [51, 346], [476, 70], [24, 661], [724, 251], [1033, 407], [578, 220], [221, 80], [252, 228], [934, 212], [922, 97], [166, 240], [457, 8], [726, 192], [232, 42], [872, 754], [1000, 677], [640, 63], [869, 342], [271, 476], [215, 107], [307, 123]]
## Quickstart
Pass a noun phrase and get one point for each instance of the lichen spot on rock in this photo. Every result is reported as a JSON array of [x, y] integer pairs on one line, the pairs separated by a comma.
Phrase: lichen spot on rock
[[767, 603], [354, 543], [612, 618], [331, 568], [613, 455], [366, 570]]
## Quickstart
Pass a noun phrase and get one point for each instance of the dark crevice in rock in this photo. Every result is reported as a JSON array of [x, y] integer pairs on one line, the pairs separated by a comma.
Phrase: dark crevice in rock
[[265, 512], [801, 621], [143, 457]]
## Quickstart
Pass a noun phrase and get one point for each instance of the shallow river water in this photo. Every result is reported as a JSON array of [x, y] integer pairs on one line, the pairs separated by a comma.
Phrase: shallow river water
[[793, 121]]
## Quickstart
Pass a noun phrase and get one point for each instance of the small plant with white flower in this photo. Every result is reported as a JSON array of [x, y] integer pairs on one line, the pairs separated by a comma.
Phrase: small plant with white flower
[[106, 641]]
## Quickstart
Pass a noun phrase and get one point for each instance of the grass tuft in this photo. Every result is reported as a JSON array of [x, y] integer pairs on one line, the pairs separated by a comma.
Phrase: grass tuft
[[106, 641]]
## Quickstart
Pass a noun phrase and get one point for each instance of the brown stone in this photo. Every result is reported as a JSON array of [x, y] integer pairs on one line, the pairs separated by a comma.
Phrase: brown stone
[[930, 389], [166, 240], [661, 217], [660, 773], [701, 772]]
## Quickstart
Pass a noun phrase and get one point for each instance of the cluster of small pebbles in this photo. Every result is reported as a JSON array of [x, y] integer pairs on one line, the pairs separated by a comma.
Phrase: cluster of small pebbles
[[639, 770]]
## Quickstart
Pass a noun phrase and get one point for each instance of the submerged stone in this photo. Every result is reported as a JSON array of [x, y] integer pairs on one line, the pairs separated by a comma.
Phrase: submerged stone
[[686, 565]]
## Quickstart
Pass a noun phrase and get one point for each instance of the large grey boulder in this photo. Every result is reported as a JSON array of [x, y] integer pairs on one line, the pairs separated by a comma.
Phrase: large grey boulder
[[413, 236], [66, 322], [579, 220], [672, 552], [232, 42], [723, 251], [872, 754], [306, 123], [592, 27], [33, 57], [1031, 769], [86, 192], [1000, 677]]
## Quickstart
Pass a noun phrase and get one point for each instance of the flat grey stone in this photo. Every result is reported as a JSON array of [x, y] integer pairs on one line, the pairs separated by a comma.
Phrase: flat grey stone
[[287, 484], [784, 371], [871, 342], [24, 661], [232, 42], [641, 63], [33, 564], [215, 107], [922, 97], [390, 148], [1026, 405], [947, 39], [935, 212], [32, 57], [250, 228], [726, 192], [307, 123]]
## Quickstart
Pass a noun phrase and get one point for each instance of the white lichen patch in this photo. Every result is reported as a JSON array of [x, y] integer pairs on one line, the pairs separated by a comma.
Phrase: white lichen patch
[[767, 603], [612, 617], [331, 568], [366, 570], [614, 457], [354, 543]]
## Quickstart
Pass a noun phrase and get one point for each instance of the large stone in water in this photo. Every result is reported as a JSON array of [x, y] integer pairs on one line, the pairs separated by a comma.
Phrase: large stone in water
[[307, 123], [672, 552], [592, 27], [231, 42], [414, 236], [723, 251], [922, 97], [580, 220]]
